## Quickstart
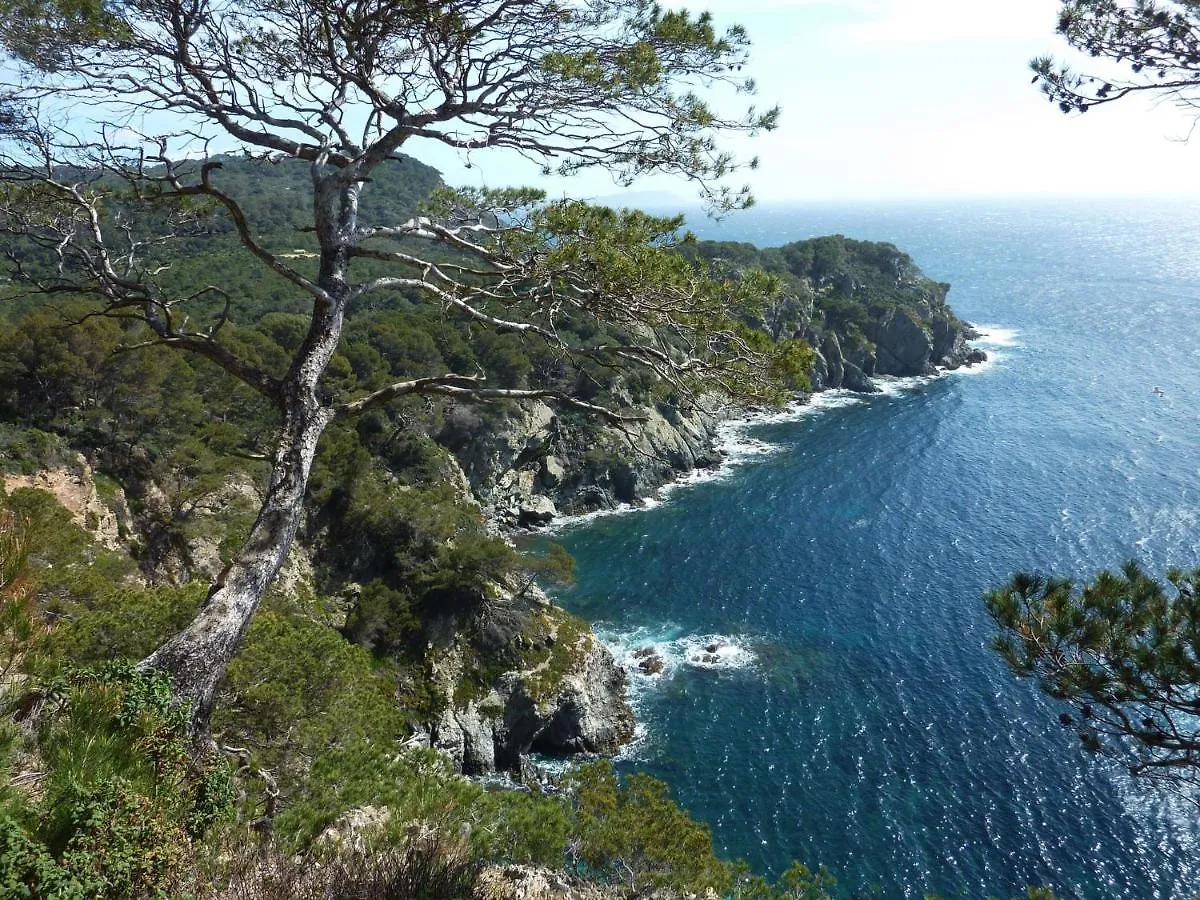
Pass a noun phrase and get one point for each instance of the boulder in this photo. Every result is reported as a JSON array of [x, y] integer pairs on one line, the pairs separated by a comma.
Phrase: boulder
[[535, 511], [651, 665], [591, 714], [552, 472], [855, 379]]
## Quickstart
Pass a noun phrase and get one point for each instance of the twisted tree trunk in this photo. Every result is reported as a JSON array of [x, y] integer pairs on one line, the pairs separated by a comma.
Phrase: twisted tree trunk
[[196, 658]]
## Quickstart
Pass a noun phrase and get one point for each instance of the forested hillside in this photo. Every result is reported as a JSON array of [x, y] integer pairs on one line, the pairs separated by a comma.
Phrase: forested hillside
[[864, 306], [402, 616]]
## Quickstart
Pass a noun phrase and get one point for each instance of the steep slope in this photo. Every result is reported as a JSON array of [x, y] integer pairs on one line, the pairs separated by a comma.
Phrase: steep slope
[[399, 551]]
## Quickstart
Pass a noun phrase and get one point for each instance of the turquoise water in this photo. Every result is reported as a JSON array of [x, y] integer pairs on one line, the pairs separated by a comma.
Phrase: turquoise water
[[857, 717]]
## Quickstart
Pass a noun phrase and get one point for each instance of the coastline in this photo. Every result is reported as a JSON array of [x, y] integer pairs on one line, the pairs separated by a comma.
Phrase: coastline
[[734, 448], [676, 650]]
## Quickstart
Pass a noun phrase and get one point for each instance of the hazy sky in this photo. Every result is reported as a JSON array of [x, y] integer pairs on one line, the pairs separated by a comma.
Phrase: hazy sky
[[915, 98]]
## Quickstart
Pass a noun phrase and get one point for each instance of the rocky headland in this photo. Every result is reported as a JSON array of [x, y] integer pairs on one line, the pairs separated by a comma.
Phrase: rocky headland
[[864, 308], [402, 549], [531, 464]]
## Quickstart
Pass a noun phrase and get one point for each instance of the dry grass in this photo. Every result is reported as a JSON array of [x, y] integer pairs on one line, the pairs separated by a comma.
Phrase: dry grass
[[428, 867]]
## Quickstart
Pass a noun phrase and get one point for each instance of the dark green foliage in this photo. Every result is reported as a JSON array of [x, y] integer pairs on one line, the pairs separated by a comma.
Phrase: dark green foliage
[[97, 611], [122, 801], [382, 617], [274, 195], [28, 450], [309, 706], [27, 869], [299, 690], [421, 547], [797, 883], [634, 835], [420, 787], [834, 288], [1159, 42], [315, 725], [1124, 651], [134, 407], [551, 562], [119, 622], [122, 845], [851, 281]]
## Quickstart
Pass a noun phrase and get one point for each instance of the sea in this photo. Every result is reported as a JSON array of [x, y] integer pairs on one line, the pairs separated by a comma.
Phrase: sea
[[853, 714]]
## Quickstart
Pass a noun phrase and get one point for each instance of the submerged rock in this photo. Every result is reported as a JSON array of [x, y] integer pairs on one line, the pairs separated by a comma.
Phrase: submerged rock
[[652, 665]]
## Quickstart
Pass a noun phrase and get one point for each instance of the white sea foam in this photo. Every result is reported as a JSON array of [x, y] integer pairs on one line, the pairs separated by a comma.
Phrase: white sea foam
[[898, 386], [993, 357], [585, 518], [676, 651], [996, 336]]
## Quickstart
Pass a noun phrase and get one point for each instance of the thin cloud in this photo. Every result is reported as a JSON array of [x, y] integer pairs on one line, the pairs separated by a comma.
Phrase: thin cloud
[[877, 22], [951, 21]]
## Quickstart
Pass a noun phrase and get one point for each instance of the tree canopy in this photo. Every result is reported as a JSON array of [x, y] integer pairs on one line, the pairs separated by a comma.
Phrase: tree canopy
[[608, 83], [108, 167], [1155, 48], [1124, 651]]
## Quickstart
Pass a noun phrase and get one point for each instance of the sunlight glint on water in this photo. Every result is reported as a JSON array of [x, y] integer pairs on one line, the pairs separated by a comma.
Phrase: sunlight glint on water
[[868, 726]]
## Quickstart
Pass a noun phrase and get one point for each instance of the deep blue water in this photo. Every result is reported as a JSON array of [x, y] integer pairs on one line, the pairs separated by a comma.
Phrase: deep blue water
[[872, 729]]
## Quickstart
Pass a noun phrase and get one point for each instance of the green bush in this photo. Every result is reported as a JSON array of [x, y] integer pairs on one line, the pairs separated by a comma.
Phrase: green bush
[[631, 833], [298, 690], [28, 450], [420, 788], [28, 870], [123, 802]]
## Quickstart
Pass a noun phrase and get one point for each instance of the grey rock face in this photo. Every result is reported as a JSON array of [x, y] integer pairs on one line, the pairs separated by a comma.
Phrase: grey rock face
[[553, 471], [832, 349], [586, 712], [534, 464], [947, 339], [591, 714], [536, 510], [902, 344], [855, 379]]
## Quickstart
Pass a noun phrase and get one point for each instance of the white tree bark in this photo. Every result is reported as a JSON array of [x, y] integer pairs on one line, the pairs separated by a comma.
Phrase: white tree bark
[[197, 657]]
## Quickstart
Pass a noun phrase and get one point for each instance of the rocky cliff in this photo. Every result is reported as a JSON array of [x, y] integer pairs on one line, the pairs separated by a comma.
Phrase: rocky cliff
[[397, 503], [565, 697], [864, 308], [532, 463], [899, 343]]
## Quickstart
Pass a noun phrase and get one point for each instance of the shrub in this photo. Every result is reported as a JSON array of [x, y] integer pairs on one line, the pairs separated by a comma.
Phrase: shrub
[[632, 833], [431, 868], [298, 690], [123, 803], [28, 870]]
